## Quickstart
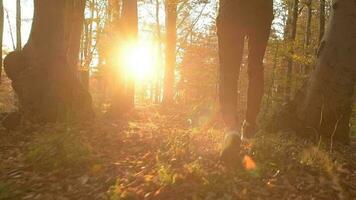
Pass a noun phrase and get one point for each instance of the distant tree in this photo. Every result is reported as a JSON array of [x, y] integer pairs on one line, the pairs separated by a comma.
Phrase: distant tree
[[291, 39], [322, 108], [18, 25], [46, 84], [308, 4], [88, 42], [322, 19], [171, 39], [124, 94], [157, 87], [129, 33]]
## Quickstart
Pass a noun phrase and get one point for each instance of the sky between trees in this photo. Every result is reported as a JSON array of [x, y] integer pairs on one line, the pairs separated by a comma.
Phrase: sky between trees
[[144, 12]]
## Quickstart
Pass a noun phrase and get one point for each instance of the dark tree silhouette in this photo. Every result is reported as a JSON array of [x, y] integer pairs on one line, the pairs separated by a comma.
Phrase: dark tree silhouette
[[42, 76]]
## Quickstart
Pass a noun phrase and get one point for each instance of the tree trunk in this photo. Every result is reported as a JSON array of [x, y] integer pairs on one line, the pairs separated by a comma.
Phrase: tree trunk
[[1, 35], [77, 15], [88, 35], [47, 86], [171, 25], [129, 27], [288, 20], [157, 96], [322, 20], [292, 36], [18, 26], [322, 108], [124, 94], [308, 34], [115, 10]]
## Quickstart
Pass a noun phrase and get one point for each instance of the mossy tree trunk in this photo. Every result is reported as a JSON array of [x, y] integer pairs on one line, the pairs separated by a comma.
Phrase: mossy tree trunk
[[42, 76]]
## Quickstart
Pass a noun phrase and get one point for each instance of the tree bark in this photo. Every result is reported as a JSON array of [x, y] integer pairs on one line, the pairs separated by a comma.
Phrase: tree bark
[[171, 25], [18, 26], [46, 84], [322, 108], [76, 29]]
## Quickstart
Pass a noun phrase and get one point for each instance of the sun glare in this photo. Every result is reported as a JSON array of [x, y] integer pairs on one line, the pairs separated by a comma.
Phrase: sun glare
[[139, 61]]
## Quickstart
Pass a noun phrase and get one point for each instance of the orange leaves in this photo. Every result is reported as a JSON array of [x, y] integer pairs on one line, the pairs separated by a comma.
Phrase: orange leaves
[[248, 163]]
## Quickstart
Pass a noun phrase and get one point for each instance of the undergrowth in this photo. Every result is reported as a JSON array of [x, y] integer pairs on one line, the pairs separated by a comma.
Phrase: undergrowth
[[5, 190], [58, 147]]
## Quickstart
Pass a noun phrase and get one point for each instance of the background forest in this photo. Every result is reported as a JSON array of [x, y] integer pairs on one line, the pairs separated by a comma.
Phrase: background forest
[[289, 59], [151, 67]]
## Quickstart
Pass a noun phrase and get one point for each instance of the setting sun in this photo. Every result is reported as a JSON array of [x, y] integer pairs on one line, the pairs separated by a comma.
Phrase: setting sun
[[139, 61]]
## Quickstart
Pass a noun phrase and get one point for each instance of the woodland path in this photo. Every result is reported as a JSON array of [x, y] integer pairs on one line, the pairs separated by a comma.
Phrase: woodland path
[[155, 154]]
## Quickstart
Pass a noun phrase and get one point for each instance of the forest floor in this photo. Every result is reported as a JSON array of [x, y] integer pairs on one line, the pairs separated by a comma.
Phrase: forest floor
[[157, 153]]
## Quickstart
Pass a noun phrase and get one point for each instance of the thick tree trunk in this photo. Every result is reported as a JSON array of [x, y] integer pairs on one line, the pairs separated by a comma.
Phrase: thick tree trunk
[[171, 24], [46, 84], [1, 35], [18, 25], [323, 106]]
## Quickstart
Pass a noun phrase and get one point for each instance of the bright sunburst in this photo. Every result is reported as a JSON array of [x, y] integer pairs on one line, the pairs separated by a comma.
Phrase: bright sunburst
[[139, 61]]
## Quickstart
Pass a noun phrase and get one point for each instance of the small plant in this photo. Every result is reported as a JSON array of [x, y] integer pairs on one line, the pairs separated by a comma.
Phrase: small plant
[[166, 175], [274, 149], [119, 192], [317, 158], [62, 148], [115, 191]]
